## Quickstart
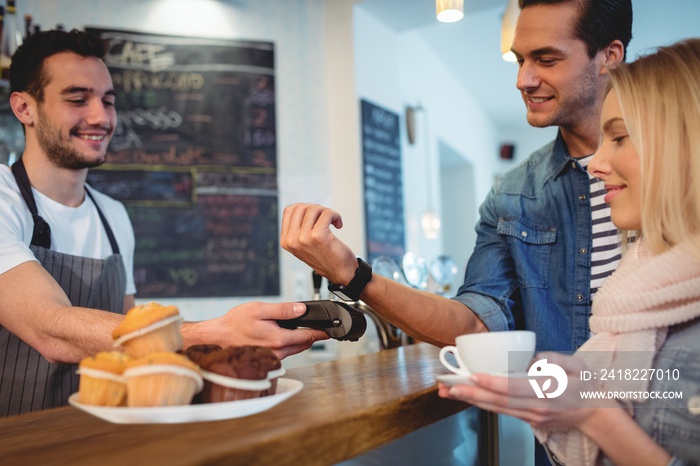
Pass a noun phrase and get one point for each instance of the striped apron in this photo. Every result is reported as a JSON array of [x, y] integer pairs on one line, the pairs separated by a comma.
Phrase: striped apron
[[28, 382]]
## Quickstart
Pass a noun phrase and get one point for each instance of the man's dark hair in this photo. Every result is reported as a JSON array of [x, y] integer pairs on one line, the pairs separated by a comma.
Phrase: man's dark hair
[[27, 68], [599, 21]]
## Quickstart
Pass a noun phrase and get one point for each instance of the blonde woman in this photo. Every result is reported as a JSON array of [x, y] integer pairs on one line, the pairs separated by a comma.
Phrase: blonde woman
[[647, 315]]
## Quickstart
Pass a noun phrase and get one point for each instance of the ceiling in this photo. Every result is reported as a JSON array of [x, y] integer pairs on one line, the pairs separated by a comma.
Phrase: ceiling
[[470, 48]]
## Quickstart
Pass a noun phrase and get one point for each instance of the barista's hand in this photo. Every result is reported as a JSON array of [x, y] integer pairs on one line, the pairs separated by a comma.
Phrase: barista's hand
[[254, 323], [306, 233]]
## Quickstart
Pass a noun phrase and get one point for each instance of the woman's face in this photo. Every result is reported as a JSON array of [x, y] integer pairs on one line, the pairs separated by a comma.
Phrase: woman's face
[[616, 163]]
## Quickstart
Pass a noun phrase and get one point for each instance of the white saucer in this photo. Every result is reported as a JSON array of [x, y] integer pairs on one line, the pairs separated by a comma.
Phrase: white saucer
[[454, 379], [459, 379]]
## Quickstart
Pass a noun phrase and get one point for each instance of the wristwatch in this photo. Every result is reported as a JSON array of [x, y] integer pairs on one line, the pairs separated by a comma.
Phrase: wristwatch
[[351, 291]]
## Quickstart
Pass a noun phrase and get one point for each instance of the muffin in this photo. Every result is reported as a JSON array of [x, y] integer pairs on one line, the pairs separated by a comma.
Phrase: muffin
[[197, 352], [162, 379], [273, 366], [101, 379], [234, 373], [149, 328]]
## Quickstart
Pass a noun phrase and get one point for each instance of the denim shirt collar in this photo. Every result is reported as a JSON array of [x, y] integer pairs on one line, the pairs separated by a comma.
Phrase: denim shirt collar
[[560, 158], [553, 160]]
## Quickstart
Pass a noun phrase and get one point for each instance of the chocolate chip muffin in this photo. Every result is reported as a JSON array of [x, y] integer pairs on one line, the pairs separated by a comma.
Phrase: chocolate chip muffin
[[234, 373], [197, 352]]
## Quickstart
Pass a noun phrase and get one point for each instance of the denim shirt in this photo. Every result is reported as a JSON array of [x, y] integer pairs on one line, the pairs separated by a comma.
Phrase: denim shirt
[[669, 421], [531, 266]]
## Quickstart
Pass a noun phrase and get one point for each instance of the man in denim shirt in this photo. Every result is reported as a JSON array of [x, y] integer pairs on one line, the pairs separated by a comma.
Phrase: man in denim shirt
[[531, 267]]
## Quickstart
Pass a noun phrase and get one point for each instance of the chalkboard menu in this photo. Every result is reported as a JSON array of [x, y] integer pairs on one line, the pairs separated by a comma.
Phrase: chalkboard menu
[[194, 161], [383, 187]]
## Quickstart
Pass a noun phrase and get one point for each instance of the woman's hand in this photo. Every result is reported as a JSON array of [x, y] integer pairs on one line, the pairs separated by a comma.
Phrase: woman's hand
[[515, 396]]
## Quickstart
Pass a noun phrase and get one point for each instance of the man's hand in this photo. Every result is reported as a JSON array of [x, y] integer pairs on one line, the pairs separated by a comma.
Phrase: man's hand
[[254, 323], [306, 233]]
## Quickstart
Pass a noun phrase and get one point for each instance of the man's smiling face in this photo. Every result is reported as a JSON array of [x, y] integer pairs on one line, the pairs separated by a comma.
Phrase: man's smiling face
[[558, 81], [77, 118]]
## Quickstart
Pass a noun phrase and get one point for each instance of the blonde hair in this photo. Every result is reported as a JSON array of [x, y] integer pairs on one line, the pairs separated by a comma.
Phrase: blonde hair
[[659, 96]]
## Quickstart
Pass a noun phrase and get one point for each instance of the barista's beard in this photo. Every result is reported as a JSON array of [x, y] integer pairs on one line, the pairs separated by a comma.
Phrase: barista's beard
[[57, 149]]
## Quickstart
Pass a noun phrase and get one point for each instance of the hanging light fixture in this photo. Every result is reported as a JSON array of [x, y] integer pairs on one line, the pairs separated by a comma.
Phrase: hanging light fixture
[[449, 11], [430, 223], [510, 19], [430, 220]]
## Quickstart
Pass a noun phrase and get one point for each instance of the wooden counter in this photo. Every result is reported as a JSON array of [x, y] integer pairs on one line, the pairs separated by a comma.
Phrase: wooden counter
[[346, 407]]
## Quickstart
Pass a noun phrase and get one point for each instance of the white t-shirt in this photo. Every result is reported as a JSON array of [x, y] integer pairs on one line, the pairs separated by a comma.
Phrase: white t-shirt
[[74, 230]]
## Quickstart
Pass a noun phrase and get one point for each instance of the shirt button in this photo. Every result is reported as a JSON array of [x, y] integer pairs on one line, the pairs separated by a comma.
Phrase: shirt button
[[523, 234], [579, 297], [573, 164], [583, 250], [581, 197]]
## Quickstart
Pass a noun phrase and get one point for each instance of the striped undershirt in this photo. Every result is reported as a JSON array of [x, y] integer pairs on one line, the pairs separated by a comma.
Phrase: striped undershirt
[[605, 251]]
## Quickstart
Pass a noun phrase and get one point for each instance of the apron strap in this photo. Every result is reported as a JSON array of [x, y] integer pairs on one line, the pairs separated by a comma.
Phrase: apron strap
[[42, 231], [105, 224]]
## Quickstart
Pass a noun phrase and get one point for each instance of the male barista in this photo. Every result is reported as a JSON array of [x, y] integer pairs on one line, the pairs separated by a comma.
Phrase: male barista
[[66, 250]]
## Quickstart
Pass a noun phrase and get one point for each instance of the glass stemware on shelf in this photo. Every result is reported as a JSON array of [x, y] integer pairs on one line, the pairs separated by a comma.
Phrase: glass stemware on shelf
[[415, 272]]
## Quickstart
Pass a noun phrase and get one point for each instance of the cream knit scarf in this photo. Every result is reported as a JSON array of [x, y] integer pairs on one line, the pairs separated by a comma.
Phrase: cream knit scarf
[[631, 313]]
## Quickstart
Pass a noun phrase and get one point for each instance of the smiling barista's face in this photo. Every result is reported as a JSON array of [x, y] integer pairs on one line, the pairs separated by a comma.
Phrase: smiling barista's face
[[76, 119], [616, 162], [558, 81]]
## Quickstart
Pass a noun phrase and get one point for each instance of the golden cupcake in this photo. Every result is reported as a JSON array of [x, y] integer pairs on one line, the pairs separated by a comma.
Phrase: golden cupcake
[[149, 328], [162, 379], [101, 379]]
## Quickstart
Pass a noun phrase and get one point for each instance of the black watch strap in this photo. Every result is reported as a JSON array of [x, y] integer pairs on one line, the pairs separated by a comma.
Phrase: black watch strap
[[352, 291]]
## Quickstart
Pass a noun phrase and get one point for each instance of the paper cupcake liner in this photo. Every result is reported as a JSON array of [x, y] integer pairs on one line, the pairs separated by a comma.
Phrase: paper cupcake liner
[[214, 393], [161, 336], [154, 369], [231, 382], [101, 388], [272, 376], [98, 374], [149, 328], [161, 385], [275, 373]]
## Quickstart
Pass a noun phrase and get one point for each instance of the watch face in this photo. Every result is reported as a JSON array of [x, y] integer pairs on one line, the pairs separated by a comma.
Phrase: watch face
[[415, 270]]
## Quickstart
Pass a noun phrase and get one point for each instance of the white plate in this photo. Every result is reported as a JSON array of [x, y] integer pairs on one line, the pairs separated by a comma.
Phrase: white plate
[[458, 379], [191, 413]]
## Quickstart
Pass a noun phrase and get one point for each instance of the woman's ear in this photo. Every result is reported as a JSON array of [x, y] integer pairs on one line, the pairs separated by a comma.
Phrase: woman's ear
[[22, 106]]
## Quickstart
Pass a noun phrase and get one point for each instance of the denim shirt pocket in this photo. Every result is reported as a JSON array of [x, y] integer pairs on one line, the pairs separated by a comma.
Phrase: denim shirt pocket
[[531, 248]]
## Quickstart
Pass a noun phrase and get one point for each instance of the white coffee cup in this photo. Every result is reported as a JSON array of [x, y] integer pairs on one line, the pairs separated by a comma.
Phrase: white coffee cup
[[491, 352]]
